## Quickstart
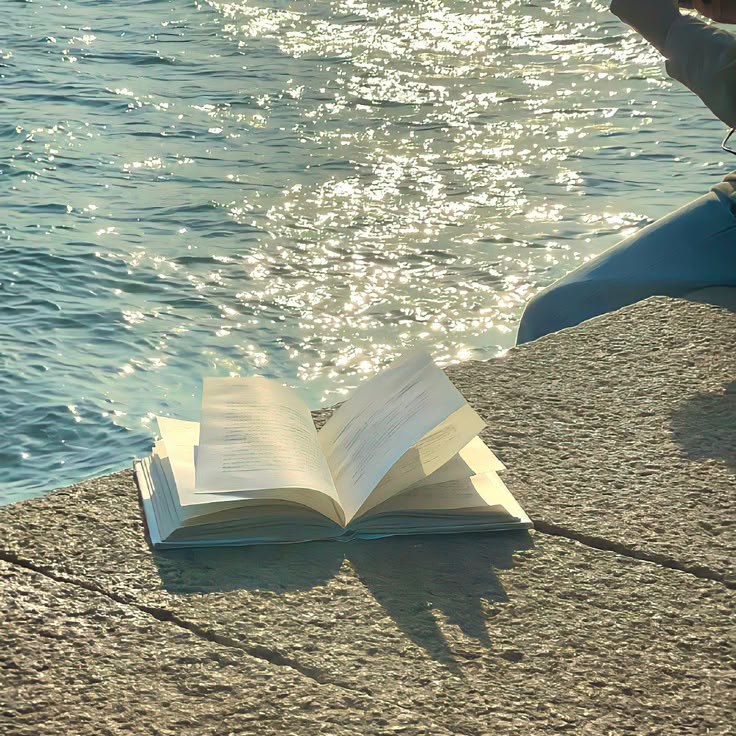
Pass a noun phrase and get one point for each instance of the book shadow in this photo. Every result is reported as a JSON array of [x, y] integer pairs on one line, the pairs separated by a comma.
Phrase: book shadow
[[426, 582], [277, 568], [423, 583], [705, 426]]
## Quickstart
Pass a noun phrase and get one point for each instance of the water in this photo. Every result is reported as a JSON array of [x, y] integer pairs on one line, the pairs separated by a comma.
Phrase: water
[[302, 190]]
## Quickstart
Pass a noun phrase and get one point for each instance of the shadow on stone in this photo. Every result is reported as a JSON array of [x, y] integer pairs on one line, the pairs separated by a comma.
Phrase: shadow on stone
[[705, 426], [410, 577], [276, 567]]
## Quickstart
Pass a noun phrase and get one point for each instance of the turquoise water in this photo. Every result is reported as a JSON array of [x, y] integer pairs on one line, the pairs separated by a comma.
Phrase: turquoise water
[[302, 190]]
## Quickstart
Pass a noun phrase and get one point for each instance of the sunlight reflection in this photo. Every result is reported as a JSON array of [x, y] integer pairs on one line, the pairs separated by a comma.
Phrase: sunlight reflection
[[308, 190]]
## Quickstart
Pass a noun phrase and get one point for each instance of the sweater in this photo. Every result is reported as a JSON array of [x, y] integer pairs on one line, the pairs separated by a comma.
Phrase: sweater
[[700, 55]]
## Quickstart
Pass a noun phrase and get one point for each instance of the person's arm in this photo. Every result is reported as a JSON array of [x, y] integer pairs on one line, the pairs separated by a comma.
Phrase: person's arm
[[701, 56], [649, 18]]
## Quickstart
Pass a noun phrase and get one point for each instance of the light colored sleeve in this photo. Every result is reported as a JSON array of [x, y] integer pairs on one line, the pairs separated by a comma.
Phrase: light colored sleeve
[[703, 58], [649, 18]]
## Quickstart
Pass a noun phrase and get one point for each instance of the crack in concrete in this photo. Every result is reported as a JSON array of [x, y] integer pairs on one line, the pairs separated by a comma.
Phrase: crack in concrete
[[315, 674], [165, 616], [699, 571]]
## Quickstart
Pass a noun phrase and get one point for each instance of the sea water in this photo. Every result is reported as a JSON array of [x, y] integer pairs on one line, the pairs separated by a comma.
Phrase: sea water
[[303, 190]]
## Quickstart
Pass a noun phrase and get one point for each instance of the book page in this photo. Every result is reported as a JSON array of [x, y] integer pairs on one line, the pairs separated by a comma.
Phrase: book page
[[477, 493], [476, 458], [383, 419], [433, 452], [176, 452], [178, 446], [179, 439], [256, 434]]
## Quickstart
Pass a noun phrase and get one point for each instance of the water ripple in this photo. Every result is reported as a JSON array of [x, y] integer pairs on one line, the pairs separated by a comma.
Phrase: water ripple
[[234, 186]]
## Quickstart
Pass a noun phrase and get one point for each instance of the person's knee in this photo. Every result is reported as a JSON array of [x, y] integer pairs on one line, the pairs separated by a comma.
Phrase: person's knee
[[725, 191], [549, 311], [569, 302], [529, 327]]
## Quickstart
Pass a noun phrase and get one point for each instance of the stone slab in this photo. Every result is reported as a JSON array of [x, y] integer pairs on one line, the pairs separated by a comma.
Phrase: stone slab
[[76, 662], [623, 430], [618, 431], [480, 633]]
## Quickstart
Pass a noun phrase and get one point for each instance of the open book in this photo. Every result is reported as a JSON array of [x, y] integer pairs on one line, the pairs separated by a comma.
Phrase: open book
[[400, 456]]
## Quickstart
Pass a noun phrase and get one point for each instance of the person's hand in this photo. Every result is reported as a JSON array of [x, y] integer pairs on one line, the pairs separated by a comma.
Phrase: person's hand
[[721, 11]]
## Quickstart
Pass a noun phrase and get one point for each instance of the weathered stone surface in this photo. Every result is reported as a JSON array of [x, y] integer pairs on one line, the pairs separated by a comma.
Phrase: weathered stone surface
[[501, 634], [624, 429], [75, 662], [620, 431]]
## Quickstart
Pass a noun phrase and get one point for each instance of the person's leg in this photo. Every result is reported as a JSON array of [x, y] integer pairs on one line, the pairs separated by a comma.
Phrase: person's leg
[[692, 248], [719, 296]]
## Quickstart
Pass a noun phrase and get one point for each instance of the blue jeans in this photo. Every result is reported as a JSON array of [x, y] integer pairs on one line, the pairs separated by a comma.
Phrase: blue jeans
[[692, 248]]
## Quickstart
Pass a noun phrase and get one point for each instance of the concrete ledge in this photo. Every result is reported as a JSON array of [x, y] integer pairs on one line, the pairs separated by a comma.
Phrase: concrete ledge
[[622, 431], [470, 634], [475, 634], [77, 662]]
